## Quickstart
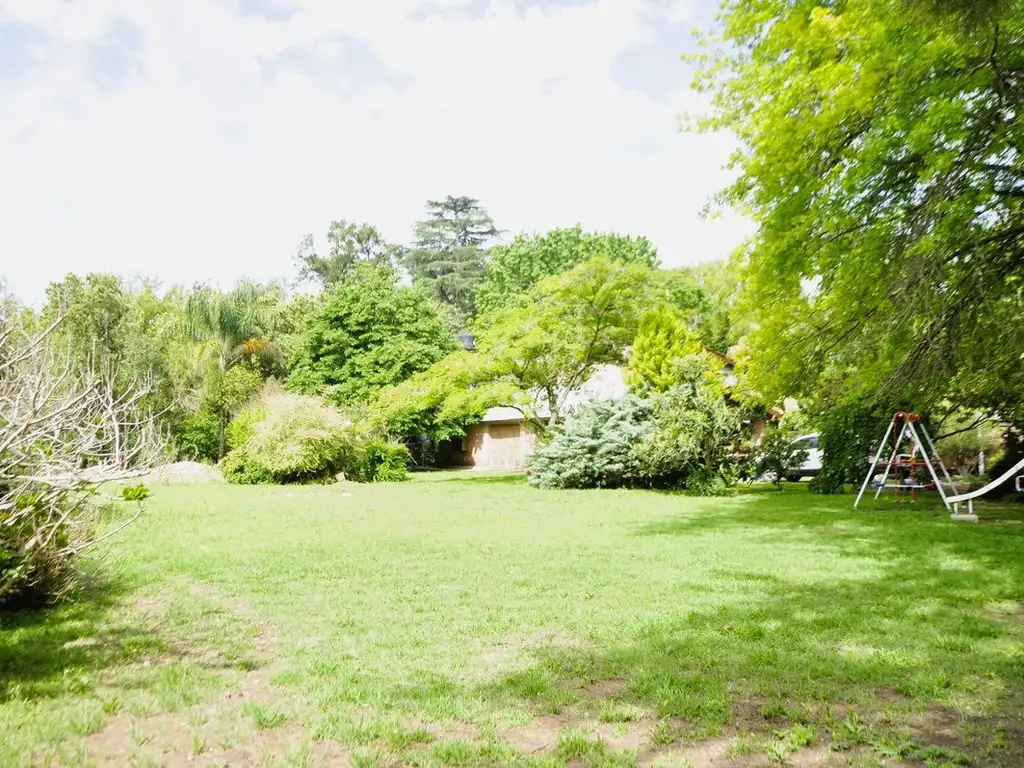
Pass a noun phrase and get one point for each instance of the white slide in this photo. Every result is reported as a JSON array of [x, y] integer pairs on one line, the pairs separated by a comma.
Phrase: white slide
[[970, 497]]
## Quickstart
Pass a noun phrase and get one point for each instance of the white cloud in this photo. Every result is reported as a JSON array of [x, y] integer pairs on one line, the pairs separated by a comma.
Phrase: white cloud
[[207, 162]]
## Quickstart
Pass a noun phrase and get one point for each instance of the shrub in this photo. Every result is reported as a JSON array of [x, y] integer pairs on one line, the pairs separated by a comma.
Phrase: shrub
[[680, 439], [385, 462], [300, 439], [695, 432], [596, 448], [243, 426], [848, 432], [195, 436]]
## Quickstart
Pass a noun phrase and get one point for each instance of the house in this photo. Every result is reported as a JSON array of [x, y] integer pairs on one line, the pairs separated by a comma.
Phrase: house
[[503, 438]]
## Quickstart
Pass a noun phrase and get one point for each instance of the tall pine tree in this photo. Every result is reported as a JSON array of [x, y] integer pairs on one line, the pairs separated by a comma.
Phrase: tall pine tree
[[448, 259]]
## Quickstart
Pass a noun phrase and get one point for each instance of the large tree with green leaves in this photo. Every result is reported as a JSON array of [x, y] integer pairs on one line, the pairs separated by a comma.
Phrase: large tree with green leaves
[[233, 334], [662, 340], [448, 260], [516, 267], [127, 332], [348, 244], [880, 156], [369, 332], [532, 355]]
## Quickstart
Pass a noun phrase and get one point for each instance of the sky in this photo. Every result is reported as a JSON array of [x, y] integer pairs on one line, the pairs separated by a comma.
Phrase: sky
[[200, 140]]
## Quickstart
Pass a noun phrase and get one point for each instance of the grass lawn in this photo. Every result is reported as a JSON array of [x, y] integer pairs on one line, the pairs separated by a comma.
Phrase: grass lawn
[[469, 619]]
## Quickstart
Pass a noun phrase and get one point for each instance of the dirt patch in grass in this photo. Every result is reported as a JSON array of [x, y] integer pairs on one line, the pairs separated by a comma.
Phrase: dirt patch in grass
[[539, 735], [604, 689], [248, 724], [446, 731]]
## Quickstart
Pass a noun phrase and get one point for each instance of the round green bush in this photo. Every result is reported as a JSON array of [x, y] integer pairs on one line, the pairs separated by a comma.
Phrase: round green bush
[[299, 440]]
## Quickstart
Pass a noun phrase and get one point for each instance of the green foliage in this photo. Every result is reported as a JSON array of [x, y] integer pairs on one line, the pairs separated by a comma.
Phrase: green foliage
[[1013, 453], [447, 260], [705, 296], [661, 341], [516, 267], [966, 440], [137, 492], [121, 331], [243, 426], [848, 431], [778, 455], [229, 329], [227, 392], [195, 436], [551, 341], [597, 448], [530, 355], [680, 438], [369, 333], [349, 244], [880, 145], [442, 401], [95, 311], [385, 461], [300, 440], [695, 431]]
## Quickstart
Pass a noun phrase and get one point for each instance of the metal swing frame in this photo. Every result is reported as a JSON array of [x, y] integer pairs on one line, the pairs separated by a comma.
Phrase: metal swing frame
[[913, 429]]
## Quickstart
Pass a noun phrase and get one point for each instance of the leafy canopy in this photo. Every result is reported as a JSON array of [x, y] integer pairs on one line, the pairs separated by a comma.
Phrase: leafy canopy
[[514, 268], [369, 333], [662, 340], [531, 355], [881, 158], [349, 244]]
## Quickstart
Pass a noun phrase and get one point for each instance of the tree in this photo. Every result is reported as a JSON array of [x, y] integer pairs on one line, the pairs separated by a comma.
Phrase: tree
[[369, 333], [551, 342], [447, 260], [514, 268], [63, 432], [661, 341], [532, 355], [229, 329], [349, 244], [94, 310], [440, 402], [881, 158], [695, 432], [124, 332]]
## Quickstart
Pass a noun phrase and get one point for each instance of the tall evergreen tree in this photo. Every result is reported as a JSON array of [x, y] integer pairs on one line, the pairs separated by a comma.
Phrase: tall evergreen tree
[[448, 259]]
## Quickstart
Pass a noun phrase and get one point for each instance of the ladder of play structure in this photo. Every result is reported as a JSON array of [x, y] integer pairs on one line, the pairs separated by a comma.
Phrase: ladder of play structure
[[910, 471]]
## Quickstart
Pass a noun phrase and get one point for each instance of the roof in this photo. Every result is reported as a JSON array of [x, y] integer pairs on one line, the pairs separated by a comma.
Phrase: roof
[[608, 381]]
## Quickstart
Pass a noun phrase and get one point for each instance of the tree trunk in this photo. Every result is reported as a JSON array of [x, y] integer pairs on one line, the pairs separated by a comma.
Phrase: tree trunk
[[222, 426]]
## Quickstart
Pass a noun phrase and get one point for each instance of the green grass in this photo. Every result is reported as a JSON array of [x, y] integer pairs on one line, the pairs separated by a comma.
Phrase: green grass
[[467, 620]]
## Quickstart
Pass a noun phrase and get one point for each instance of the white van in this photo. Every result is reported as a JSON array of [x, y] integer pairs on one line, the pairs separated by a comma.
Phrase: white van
[[812, 464]]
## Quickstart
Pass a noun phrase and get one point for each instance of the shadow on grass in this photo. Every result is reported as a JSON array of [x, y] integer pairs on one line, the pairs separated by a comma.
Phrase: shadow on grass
[[61, 649], [928, 643], [914, 648], [470, 477]]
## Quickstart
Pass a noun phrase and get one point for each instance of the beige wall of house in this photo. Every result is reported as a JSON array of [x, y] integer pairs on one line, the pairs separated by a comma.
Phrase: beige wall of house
[[499, 445]]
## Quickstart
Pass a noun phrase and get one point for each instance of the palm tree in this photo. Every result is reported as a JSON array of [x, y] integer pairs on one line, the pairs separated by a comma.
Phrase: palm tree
[[229, 328]]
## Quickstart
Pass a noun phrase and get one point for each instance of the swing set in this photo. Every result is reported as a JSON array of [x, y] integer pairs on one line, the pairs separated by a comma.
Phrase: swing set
[[914, 465]]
